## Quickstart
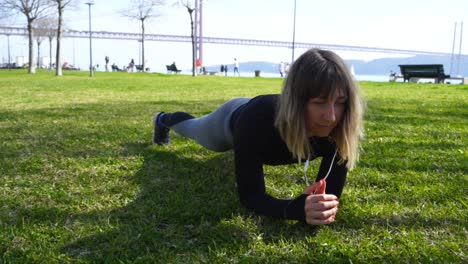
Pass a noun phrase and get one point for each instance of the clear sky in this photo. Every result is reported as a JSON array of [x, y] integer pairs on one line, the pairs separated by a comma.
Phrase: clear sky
[[401, 24]]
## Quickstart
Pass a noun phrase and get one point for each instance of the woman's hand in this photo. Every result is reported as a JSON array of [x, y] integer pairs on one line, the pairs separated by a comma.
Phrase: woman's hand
[[320, 208]]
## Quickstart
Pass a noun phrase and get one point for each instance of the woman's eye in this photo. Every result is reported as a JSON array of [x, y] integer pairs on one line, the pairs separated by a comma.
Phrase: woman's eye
[[318, 102]]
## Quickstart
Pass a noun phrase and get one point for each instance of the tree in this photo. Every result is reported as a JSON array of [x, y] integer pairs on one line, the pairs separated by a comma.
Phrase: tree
[[45, 27], [142, 10], [61, 5], [190, 10], [39, 38], [32, 9]]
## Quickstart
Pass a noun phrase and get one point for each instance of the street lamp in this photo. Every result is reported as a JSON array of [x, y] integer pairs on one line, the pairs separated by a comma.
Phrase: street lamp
[[74, 62], [90, 3], [294, 32], [140, 41]]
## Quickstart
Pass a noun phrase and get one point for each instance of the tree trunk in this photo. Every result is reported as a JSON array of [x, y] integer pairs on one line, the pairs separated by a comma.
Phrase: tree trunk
[[38, 54], [50, 53], [58, 63], [194, 60], [143, 44], [32, 68]]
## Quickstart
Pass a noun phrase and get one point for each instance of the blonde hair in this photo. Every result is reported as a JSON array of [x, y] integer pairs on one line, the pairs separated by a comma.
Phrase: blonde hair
[[320, 73]]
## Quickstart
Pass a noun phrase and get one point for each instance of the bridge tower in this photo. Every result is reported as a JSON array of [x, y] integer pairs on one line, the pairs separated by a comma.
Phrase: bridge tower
[[199, 29], [454, 57]]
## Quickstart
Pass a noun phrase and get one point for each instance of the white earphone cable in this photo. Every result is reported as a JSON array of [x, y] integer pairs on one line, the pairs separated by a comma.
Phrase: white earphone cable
[[306, 167]]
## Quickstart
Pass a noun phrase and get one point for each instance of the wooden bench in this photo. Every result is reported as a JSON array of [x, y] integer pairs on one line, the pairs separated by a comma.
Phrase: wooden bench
[[433, 71], [172, 68], [211, 73], [139, 67]]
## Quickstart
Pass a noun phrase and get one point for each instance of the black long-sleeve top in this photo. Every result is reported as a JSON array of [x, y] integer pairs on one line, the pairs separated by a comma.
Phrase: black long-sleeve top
[[258, 142]]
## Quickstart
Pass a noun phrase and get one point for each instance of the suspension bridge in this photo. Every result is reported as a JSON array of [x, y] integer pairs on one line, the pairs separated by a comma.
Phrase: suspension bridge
[[19, 31]]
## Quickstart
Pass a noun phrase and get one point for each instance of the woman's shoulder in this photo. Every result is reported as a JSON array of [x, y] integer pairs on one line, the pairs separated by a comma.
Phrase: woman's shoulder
[[254, 129], [266, 97], [258, 114], [266, 102]]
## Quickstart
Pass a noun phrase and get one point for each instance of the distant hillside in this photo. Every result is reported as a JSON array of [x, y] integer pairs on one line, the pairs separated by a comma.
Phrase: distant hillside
[[374, 67], [385, 65], [251, 66]]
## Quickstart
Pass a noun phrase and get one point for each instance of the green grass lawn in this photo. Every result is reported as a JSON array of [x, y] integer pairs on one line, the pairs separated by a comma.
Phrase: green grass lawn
[[80, 181]]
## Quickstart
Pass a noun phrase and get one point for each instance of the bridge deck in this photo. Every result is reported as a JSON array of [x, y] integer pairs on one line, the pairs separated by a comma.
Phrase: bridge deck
[[18, 31]]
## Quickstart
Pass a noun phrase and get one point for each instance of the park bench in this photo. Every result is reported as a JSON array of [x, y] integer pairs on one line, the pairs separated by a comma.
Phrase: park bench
[[10, 66], [139, 67], [433, 71], [172, 68]]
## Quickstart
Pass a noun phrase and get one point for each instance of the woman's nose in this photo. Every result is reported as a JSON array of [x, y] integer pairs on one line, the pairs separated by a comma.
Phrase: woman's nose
[[330, 113]]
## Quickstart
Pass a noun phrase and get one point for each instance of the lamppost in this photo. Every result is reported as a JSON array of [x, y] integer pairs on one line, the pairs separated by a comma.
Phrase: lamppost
[[140, 41], [294, 32], [90, 3], [74, 62]]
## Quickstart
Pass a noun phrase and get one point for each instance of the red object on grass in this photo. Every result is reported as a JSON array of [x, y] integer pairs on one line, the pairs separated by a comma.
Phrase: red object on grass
[[323, 186], [321, 189]]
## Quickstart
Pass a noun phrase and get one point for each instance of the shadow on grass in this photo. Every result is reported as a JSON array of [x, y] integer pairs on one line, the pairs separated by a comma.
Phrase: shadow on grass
[[80, 130], [186, 208]]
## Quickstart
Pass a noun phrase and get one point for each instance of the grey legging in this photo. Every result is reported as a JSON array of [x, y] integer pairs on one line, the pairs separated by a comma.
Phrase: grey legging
[[212, 131]]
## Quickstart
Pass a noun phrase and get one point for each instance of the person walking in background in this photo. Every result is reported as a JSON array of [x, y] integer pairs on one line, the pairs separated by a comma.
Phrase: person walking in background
[[236, 67], [225, 70], [198, 65], [286, 68], [319, 113], [106, 59], [131, 65], [281, 69]]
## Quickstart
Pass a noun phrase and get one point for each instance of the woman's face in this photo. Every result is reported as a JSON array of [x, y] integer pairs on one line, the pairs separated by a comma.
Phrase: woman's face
[[323, 114]]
